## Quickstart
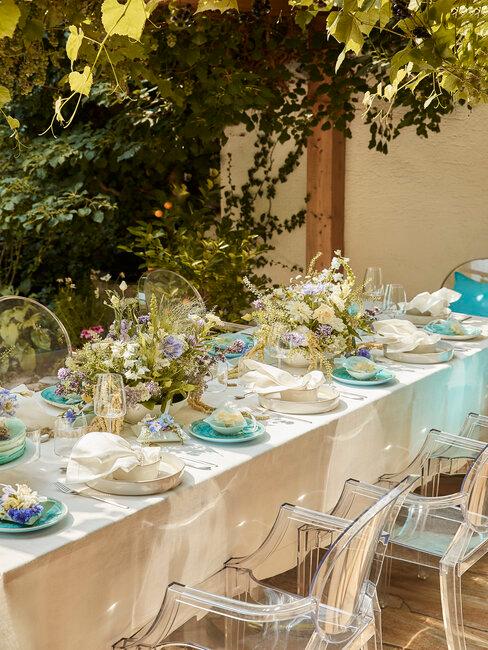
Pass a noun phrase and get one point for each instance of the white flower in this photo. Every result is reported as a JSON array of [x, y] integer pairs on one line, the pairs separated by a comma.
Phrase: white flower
[[123, 286], [324, 314], [106, 277], [337, 324], [336, 300], [300, 311]]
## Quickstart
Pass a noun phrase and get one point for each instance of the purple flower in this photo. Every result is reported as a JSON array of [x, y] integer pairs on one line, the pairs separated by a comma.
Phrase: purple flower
[[124, 329], [294, 339], [257, 304], [144, 319], [8, 402], [22, 515], [364, 352], [63, 373], [172, 347], [162, 423], [311, 289], [324, 331], [236, 347]]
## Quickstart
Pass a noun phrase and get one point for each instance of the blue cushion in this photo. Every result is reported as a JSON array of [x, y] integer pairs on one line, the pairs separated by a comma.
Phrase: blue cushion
[[474, 296]]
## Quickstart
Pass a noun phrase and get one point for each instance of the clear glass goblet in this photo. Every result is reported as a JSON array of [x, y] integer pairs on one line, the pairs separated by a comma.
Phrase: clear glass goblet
[[109, 400]]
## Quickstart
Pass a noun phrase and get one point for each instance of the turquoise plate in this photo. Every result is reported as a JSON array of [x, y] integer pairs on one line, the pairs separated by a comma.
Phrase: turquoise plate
[[221, 342], [55, 511], [200, 429], [8, 458], [382, 377], [50, 397]]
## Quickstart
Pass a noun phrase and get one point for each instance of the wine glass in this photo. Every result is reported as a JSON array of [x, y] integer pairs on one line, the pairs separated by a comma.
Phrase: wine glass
[[217, 377], [395, 300], [68, 428], [109, 399], [374, 288]]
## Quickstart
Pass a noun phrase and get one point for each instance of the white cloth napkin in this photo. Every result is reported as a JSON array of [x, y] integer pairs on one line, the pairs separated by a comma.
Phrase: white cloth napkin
[[32, 410], [432, 304], [98, 454], [264, 379], [402, 335]]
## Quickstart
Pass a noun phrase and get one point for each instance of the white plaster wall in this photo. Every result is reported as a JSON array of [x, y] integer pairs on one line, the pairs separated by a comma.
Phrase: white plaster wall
[[290, 197], [423, 208], [416, 212]]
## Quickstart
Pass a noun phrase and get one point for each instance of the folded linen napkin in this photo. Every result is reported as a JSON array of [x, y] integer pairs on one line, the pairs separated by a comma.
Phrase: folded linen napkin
[[32, 410], [403, 336], [432, 304], [99, 454], [264, 379]]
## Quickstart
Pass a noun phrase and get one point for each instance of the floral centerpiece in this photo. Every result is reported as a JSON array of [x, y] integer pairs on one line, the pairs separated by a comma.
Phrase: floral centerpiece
[[316, 317], [159, 355]]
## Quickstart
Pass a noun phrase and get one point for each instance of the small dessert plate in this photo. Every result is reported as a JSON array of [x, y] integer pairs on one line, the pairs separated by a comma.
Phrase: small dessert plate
[[471, 333], [327, 400], [441, 353], [203, 430], [383, 376], [54, 512], [223, 342], [49, 396], [170, 472]]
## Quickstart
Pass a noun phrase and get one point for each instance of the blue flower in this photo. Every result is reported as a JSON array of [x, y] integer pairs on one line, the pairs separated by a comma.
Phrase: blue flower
[[70, 415], [364, 352], [353, 310], [143, 320], [8, 402], [162, 423], [311, 289], [22, 515], [172, 347]]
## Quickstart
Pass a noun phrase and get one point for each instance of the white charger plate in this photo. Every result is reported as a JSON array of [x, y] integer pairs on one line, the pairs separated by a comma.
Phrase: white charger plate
[[443, 352], [170, 472], [418, 319], [328, 400]]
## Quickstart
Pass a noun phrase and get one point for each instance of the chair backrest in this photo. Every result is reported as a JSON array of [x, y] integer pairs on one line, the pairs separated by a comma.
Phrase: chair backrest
[[475, 487], [474, 269], [342, 581], [33, 342], [169, 289], [475, 426]]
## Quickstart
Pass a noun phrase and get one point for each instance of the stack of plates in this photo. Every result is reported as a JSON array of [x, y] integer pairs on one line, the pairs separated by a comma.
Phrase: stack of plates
[[170, 472], [440, 353], [328, 399]]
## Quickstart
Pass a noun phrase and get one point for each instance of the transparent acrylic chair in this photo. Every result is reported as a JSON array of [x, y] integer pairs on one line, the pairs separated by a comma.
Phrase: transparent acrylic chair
[[332, 604], [33, 342], [169, 289], [444, 453], [446, 533]]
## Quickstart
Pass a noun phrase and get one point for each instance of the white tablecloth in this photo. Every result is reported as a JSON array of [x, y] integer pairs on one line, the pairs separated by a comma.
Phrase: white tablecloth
[[101, 574]]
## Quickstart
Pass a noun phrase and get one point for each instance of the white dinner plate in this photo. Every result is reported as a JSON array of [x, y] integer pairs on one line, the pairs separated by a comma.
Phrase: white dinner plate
[[471, 333], [170, 471], [328, 401], [443, 352], [418, 319]]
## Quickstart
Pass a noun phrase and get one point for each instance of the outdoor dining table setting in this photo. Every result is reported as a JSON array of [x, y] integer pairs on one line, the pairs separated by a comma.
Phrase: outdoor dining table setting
[[154, 454]]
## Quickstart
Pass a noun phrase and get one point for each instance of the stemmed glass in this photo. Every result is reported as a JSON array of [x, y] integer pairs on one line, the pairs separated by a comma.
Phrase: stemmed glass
[[217, 377], [68, 428], [374, 289], [394, 304], [109, 399]]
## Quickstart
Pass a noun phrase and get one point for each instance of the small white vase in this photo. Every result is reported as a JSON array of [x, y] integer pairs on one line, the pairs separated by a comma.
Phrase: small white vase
[[138, 412]]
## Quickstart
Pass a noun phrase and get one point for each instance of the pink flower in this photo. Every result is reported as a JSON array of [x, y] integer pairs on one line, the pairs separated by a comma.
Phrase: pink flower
[[90, 333]]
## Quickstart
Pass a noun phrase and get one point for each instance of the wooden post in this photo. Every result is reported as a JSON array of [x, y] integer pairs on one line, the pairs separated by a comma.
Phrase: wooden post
[[325, 187]]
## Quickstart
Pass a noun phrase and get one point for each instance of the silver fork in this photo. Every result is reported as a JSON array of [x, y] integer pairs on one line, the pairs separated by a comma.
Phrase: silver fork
[[62, 487]]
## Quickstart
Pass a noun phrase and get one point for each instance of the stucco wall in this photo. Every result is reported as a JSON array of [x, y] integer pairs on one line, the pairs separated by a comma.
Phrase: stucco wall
[[423, 208], [416, 212]]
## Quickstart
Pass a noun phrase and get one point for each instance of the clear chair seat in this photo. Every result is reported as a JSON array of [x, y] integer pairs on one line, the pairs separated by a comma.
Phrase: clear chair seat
[[431, 537]]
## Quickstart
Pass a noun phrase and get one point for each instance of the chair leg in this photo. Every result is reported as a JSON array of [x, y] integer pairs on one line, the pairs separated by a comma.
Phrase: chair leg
[[452, 607]]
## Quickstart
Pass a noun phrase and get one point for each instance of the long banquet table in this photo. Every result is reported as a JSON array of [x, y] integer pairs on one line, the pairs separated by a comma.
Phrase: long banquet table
[[101, 573]]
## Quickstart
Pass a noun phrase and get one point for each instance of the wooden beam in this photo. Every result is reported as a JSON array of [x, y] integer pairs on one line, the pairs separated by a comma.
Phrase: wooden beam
[[326, 153]]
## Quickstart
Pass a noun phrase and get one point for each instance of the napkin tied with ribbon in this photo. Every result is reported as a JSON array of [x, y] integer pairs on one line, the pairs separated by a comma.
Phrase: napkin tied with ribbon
[[403, 336], [264, 379], [434, 304], [99, 454]]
